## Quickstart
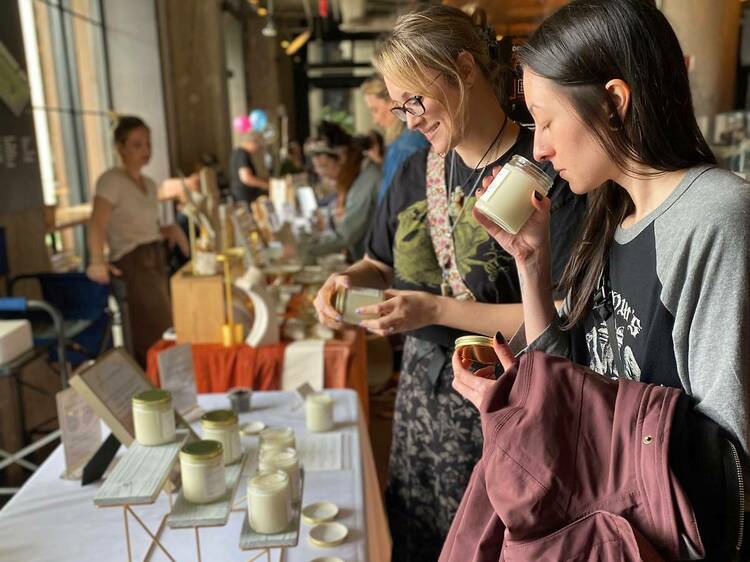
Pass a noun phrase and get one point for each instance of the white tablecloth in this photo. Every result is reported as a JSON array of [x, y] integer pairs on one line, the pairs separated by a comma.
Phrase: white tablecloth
[[54, 519]]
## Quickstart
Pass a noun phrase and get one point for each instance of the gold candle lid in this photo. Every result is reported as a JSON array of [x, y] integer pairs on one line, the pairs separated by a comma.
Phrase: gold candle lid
[[218, 419], [202, 450], [152, 397], [473, 340], [340, 301]]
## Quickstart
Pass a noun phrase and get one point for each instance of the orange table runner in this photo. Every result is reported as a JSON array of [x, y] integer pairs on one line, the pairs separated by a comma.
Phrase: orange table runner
[[219, 368]]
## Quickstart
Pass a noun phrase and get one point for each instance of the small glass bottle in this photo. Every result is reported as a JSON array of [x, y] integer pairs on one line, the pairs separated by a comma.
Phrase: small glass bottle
[[202, 469], [223, 426], [507, 201], [319, 411], [287, 461], [349, 300], [269, 504], [153, 417], [277, 438]]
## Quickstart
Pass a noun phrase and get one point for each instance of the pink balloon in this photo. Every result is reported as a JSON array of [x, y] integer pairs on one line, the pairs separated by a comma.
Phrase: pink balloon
[[241, 124]]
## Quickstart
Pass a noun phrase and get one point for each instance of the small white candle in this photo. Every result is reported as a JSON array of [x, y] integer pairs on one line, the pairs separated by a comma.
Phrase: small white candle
[[269, 502], [287, 461], [202, 469], [223, 426], [507, 201], [277, 438], [319, 411], [153, 417]]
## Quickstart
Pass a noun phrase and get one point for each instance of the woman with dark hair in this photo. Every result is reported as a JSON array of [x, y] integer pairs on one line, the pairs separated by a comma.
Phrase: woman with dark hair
[[657, 285], [341, 160], [125, 215]]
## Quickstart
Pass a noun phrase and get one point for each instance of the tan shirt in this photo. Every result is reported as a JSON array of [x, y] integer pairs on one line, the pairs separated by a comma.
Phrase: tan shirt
[[135, 215]]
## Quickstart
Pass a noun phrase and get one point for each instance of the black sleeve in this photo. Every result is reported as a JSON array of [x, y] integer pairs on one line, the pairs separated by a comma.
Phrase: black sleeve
[[381, 236], [566, 216]]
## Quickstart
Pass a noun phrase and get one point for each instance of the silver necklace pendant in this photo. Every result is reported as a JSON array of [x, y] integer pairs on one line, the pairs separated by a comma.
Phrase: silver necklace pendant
[[456, 202]]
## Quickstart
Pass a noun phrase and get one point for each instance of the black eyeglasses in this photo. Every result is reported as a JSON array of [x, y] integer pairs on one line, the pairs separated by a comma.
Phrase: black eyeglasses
[[412, 106]]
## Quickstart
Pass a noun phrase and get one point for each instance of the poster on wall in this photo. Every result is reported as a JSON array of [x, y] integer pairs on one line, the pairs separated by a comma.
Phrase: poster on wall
[[20, 180]]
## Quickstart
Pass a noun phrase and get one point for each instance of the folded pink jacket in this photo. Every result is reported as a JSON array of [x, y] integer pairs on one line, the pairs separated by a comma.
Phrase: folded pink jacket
[[575, 468]]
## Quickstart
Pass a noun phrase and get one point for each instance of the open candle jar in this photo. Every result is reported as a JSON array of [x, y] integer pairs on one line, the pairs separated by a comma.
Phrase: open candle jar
[[347, 302], [478, 351], [507, 201]]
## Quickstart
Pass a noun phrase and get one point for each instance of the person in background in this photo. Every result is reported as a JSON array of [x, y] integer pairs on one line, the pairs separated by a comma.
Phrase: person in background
[[374, 147], [338, 158], [294, 163], [244, 182], [400, 141], [125, 215]]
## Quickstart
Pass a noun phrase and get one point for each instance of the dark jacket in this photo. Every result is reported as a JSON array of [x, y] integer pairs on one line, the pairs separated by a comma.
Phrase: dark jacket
[[575, 467]]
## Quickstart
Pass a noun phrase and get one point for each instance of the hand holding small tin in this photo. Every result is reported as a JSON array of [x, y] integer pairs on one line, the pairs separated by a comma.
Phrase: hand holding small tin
[[532, 237], [323, 301], [402, 311], [475, 385]]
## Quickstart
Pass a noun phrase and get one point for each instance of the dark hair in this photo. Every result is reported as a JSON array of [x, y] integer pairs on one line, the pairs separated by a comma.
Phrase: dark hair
[[125, 124], [580, 48], [334, 134]]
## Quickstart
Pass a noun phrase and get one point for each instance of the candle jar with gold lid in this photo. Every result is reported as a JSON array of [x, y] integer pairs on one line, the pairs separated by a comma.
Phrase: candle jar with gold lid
[[223, 426], [202, 469], [153, 417]]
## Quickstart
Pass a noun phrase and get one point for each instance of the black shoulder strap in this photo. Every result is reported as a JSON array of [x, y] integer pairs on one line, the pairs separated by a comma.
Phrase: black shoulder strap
[[604, 310]]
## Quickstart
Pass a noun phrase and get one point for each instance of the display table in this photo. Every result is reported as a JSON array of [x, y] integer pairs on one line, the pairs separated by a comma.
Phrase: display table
[[55, 519], [219, 368]]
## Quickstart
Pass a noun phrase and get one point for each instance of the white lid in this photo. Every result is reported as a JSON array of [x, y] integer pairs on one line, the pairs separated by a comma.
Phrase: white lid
[[328, 534], [320, 512]]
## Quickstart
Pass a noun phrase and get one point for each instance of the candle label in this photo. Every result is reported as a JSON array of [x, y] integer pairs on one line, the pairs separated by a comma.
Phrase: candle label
[[499, 179], [167, 423]]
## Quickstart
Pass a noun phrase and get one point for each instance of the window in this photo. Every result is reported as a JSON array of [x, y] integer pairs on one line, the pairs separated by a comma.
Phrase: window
[[66, 58]]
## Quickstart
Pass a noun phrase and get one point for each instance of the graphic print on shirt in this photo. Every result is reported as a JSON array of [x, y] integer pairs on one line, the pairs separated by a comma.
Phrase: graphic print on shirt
[[601, 353], [414, 256]]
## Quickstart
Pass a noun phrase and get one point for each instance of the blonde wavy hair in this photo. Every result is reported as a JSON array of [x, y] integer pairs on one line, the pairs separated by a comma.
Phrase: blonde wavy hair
[[432, 39], [375, 86]]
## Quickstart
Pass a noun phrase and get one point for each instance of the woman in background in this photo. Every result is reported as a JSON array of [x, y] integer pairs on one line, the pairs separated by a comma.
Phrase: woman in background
[[400, 141], [125, 216], [338, 158]]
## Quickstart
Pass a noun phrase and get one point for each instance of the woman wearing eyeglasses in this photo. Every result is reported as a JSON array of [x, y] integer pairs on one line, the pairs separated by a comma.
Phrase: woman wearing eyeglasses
[[445, 275]]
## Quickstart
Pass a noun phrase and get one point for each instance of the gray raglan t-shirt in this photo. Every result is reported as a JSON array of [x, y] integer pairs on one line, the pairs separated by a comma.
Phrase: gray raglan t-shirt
[[680, 293]]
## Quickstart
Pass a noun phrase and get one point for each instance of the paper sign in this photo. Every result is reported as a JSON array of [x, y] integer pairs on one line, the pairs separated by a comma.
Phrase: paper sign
[[14, 86], [81, 431], [177, 375]]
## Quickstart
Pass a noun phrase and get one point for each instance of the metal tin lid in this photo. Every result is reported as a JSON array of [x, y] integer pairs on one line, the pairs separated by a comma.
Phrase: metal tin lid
[[473, 340], [340, 300], [219, 419], [202, 450], [153, 397]]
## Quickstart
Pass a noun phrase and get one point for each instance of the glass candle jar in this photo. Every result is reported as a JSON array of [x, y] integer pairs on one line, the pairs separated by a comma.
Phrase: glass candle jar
[[153, 417], [347, 302], [507, 201], [223, 426], [269, 504], [319, 411], [202, 469], [478, 350], [287, 461], [277, 438]]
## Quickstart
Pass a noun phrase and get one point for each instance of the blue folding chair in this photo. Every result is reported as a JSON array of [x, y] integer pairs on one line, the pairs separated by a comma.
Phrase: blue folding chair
[[83, 306]]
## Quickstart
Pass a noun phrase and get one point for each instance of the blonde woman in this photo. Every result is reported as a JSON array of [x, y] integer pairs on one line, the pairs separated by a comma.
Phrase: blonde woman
[[444, 274], [401, 142]]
